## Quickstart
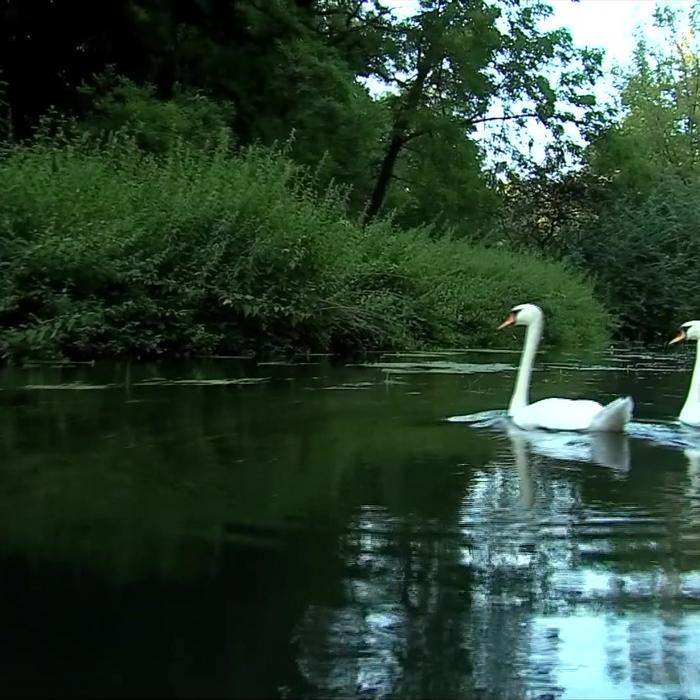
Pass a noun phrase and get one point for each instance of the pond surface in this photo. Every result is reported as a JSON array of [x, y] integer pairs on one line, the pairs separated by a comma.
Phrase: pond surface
[[227, 529]]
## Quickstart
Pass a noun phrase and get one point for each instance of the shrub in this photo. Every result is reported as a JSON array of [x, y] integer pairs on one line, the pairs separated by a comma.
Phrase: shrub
[[642, 249], [108, 250]]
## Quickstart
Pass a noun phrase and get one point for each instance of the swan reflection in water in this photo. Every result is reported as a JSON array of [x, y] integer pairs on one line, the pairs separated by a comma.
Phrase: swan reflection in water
[[605, 449], [693, 457], [611, 450]]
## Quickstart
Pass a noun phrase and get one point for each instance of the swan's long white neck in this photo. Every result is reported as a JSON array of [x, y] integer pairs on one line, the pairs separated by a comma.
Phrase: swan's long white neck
[[521, 393], [693, 397]]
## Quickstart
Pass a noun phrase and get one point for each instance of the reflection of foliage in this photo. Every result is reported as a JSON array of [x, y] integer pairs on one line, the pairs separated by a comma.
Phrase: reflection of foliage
[[394, 552], [443, 607], [139, 475]]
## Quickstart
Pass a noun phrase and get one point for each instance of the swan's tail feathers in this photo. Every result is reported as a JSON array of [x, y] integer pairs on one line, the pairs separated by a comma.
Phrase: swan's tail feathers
[[614, 416]]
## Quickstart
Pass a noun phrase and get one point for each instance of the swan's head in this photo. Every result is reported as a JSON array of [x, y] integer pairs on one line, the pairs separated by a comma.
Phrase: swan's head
[[522, 315], [688, 331]]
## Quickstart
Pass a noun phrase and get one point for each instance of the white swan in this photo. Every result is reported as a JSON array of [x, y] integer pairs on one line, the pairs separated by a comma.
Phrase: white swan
[[690, 413], [556, 414]]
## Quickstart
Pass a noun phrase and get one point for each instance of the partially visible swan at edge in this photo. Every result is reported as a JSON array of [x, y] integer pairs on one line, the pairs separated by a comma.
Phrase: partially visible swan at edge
[[556, 414], [690, 413]]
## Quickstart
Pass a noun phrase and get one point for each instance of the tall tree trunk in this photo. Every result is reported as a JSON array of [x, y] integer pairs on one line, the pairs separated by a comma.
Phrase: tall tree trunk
[[399, 137], [384, 177]]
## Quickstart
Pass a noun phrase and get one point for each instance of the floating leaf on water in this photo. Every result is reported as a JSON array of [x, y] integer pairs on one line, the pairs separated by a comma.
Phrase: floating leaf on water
[[230, 357], [390, 380], [446, 353], [73, 387], [439, 367], [418, 353], [619, 368], [286, 363], [481, 419], [349, 385], [201, 382], [496, 351]]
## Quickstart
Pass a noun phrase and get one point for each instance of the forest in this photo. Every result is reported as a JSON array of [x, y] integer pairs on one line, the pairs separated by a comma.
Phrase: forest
[[198, 177]]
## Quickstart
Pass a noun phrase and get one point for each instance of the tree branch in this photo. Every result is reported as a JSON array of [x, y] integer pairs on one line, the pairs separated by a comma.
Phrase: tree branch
[[398, 178], [481, 120]]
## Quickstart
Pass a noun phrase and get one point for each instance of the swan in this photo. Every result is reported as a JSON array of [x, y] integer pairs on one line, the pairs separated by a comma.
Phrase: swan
[[556, 414], [690, 413]]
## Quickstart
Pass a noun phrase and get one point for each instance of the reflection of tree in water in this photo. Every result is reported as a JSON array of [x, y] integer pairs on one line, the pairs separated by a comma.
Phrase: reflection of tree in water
[[434, 607], [474, 603], [439, 594], [377, 642], [648, 560]]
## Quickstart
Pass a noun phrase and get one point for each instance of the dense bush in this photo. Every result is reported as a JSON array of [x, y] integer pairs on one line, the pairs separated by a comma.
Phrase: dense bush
[[109, 250], [642, 250]]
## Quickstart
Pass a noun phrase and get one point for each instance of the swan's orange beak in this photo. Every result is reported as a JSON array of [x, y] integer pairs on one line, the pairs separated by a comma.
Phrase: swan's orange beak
[[678, 338], [509, 321]]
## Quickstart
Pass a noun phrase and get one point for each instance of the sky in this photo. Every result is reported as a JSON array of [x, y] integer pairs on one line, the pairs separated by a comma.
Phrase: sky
[[612, 25], [608, 24]]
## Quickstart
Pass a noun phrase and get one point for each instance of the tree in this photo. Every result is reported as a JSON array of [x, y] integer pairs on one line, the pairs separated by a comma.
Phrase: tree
[[452, 65], [629, 217], [657, 130], [441, 179]]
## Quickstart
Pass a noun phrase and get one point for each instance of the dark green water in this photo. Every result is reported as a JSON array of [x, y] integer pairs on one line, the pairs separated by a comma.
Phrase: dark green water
[[324, 532]]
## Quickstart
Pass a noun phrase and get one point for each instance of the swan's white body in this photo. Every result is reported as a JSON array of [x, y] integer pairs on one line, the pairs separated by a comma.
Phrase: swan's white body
[[690, 413], [556, 414], [573, 414]]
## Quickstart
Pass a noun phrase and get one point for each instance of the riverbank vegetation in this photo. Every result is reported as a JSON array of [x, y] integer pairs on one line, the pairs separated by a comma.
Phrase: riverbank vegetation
[[111, 251], [226, 177]]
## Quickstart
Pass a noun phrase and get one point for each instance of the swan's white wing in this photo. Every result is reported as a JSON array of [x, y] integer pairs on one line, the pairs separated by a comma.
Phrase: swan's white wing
[[557, 414]]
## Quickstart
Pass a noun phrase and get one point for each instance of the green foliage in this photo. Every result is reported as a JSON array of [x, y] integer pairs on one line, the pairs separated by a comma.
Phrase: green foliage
[[298, 72], [440, 180], [336, 127], [643, 253], [453, 63], [657, 130], [108, 250], [116, 103], [643, 232], [550, 213], [456, 293], [629, 218]]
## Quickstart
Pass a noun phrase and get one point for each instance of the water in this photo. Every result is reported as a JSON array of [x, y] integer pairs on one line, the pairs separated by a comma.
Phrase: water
[[222, 528]]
